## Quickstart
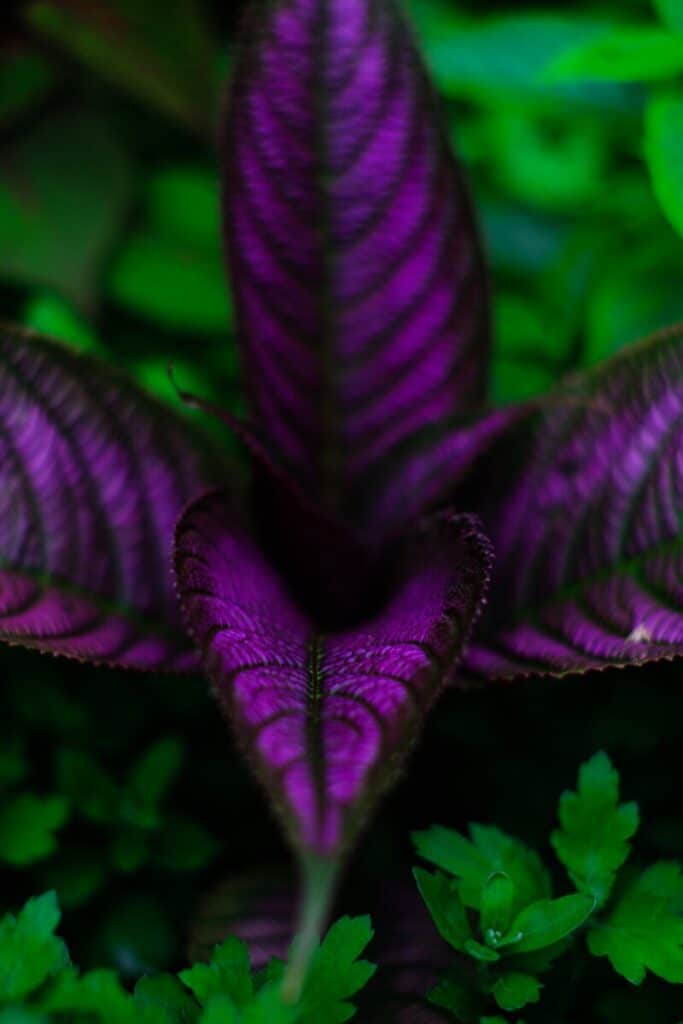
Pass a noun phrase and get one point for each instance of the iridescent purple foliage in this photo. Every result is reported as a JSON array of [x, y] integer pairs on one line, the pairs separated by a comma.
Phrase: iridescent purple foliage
[[332, 606]]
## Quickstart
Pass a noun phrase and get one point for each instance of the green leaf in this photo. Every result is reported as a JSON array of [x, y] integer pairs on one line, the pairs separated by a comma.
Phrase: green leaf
[[644, 931], [180, 286], [169, 61], [165, 995], [29, 951], [13, 761], [25, 79], [513, 991], [519, 47], [183, 203], [336, 974], [444, 904], [184, 845], [593, 842], [88, 787], [64, 191], [76, 873], [51, 314], [98, 994], [481, 953], [460, 996], [498, 900], [27, 827], [474, 860], [228, 974], [546, 922], [637, 53], [664, 153], [155, 771], [671, 13]]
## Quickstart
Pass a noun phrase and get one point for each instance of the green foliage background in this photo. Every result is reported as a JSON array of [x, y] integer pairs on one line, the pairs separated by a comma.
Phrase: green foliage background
[[124, 793]]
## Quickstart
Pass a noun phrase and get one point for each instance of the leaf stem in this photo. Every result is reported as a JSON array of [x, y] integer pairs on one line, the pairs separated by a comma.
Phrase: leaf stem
[[319, 876]]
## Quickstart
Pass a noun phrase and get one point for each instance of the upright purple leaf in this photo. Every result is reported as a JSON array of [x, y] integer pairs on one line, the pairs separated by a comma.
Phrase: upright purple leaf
[[93, 475], [326, 719], [589, 541], [361, 294]]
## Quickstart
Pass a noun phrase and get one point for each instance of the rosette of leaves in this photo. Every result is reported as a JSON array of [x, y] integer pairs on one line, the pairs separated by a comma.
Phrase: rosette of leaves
[[333, 602]]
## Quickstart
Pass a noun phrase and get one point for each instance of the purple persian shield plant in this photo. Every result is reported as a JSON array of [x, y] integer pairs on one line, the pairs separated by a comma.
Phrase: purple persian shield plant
[[333, 604]]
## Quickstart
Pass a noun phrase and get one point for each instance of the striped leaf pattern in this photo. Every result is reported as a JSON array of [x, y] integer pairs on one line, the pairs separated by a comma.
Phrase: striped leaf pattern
[[326, 719], [93, 475], [361, 295], [589, 540]]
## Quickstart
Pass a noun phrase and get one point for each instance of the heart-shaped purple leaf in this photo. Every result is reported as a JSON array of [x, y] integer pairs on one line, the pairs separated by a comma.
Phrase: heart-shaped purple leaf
[[326, 719], [93, 475], [589, 540], [361, 294]]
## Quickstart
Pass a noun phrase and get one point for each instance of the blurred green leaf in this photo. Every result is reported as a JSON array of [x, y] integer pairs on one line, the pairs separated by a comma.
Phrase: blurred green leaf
[[156, 770], [179, 286], [184, 845], [91, 791], [25, 79], [56, 317], [64, 190], [638, 293], [29, 951], [165, 57], [497, 903], [183, 202], [27, 826], [76, 874], [637, 53], [514, 991], [547, 163], [664, 152], [501, 59], [165, 995], [671, 12]]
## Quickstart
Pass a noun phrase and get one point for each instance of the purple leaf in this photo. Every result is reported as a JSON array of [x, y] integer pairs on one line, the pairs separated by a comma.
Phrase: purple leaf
[[326, 719], [93, 475], [589, 540], [361, 294], [427, 470]]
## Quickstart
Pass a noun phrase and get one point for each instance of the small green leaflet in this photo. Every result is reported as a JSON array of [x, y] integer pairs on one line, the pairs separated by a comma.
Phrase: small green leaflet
[[30, 953], [228, 974], [444, 904], [546, 922], [336, 973], [593, 841], [644, 931], [513, 991], [27, 826], [474, 860]]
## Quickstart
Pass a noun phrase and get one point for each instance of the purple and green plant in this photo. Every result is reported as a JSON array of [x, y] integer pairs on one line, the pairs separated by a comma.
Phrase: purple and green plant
[[333, 599]]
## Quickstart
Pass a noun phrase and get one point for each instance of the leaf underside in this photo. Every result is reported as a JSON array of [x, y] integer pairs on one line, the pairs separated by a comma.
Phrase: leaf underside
[[361, 296], [326, 719], [93, 475], [589, 540]]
